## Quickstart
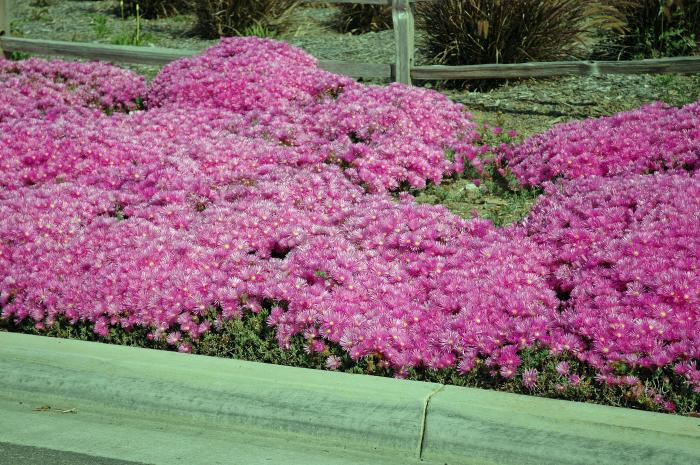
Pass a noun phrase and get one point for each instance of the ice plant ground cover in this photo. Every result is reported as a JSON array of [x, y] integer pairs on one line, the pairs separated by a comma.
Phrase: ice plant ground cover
[[36, 88], [258, 207], [655, 137]]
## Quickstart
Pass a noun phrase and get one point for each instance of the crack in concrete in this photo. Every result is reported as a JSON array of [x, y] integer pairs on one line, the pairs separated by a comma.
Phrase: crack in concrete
[[424, 419]]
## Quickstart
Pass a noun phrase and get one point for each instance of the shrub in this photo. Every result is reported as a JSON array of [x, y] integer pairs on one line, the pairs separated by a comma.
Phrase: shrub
[[218, 18], [151, 9], [358, 19], [460, 32], [654, 28]]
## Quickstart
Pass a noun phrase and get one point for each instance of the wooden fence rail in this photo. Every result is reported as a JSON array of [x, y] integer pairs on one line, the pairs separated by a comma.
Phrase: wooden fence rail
[[402, 70], [557, 68], [160, 56]]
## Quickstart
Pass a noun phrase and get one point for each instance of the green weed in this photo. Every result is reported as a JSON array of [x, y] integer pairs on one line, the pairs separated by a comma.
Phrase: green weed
[[100, 26]]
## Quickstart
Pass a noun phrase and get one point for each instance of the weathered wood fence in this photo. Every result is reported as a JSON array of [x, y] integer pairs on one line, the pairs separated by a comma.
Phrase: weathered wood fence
[[402, 70]]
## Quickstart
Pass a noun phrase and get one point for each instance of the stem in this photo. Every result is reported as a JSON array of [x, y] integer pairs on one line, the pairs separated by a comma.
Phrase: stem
[[138, 24]]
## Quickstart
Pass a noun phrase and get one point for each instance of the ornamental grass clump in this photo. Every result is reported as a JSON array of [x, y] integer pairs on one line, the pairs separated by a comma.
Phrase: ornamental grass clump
[[466, 32], [656, 137], [152, 9], [38, 88], [220, 18], [359, 19], [653, 28]]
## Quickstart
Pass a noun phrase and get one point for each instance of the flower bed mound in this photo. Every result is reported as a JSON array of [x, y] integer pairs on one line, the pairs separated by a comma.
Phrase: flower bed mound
[[362, 272], [391, 136], [245, 74], [384, 136], [74, 144], [626, 267], [655, 137], [180, 234], [37, 88]]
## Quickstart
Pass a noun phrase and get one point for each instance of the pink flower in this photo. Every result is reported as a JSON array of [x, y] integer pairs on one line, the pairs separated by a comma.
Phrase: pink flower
[[562, 368], [529, 378], [36, 88], [174, 338], [668, 406], [333, 362]]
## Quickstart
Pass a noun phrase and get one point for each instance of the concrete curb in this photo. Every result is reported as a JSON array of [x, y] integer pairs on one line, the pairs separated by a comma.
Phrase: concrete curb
[[156, 407]]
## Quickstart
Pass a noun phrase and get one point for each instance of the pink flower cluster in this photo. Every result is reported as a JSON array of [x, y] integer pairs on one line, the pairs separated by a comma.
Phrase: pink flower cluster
[[655, 137], [38, 88], [239, 190], [383, 136], [626, 266], [390, 135], [245, 74], [167, 230]]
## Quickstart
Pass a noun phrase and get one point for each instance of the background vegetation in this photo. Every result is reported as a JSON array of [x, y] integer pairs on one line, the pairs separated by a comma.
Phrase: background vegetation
[[459, 32], [216, 18], [358, 19], [653, 28], [151, 9]]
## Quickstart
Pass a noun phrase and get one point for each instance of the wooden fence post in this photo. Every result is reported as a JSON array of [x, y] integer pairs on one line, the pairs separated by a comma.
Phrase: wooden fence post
[[404, 29], [4, 20]]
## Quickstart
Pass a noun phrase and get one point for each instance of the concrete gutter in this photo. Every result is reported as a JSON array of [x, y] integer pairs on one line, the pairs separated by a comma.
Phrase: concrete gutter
[[84, 402]]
